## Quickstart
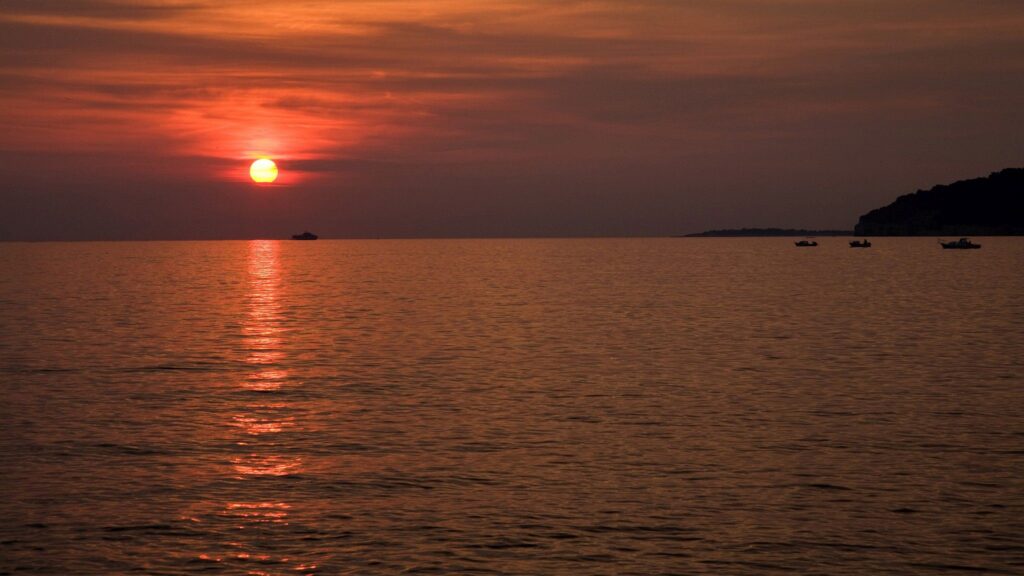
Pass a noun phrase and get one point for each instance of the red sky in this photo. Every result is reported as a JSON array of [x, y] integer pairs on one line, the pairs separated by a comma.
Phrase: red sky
[[475, 118]]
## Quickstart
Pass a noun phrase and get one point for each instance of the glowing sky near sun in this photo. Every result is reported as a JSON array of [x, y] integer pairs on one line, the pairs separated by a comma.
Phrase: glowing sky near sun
[[514, 117]]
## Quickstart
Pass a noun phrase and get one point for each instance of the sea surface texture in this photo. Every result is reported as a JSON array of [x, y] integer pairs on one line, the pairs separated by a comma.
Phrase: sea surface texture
[[648, 406]]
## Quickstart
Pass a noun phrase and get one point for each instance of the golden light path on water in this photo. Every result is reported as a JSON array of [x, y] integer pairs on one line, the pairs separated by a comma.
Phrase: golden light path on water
[[258, 422]]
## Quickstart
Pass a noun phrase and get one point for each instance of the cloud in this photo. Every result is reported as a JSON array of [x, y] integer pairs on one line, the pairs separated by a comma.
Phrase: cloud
[[671, 94]]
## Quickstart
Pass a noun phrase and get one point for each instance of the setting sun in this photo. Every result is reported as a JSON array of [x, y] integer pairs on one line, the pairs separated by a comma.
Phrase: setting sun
[[263, 170]]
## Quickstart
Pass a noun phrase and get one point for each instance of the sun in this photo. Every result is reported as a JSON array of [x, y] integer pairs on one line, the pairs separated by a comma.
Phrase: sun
[[263, 171]]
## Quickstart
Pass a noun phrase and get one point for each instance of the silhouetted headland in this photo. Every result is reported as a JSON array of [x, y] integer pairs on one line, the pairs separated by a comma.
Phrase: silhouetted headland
[[992, 206], [732, 233]]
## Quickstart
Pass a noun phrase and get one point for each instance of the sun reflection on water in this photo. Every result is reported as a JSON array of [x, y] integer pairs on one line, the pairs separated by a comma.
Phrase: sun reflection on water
[[266, 465], [258, 425], [265, 380], [263, 331], [263, 337], [249, 513]]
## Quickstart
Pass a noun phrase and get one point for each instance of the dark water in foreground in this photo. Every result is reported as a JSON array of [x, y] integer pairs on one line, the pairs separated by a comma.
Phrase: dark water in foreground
[[512, 406]]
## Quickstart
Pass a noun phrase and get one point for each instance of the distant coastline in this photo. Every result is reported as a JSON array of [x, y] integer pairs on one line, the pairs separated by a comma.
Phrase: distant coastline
[[987, 206], [760, 232]]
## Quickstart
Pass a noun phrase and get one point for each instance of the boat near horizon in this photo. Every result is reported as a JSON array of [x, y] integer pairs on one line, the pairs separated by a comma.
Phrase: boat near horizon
[[305, 236], [806, 244], [860, 243], [961, 244]]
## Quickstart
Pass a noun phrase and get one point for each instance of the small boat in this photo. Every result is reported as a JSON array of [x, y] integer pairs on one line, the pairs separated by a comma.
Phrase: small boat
[[805, 243], [305, 236], [860, 244], [961, 244]]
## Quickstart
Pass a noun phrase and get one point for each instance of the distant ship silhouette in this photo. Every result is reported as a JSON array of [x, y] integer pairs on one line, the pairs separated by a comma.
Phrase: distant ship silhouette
[[961, 244], [305, 236]]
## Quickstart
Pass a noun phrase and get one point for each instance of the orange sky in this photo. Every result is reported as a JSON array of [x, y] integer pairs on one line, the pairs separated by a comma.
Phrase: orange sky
[[409, 118]]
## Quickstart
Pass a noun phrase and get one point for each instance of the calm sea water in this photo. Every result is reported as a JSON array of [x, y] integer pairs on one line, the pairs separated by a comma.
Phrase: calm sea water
[[731, 406]]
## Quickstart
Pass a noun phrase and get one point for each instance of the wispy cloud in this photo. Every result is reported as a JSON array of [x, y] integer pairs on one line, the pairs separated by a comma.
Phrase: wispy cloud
[[653, 84]]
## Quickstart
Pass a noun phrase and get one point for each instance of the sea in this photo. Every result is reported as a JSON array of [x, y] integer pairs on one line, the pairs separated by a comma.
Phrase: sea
[[512, 406]]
